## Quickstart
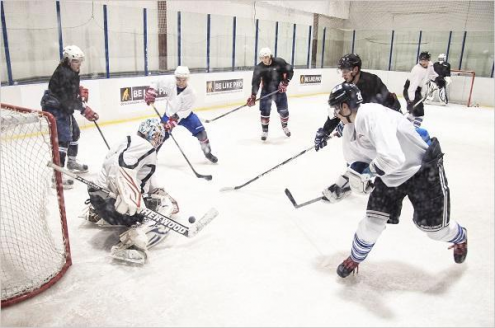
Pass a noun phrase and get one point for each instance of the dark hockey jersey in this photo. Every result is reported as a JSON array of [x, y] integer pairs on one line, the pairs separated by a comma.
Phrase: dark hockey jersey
[[442, 68], [271, 75]]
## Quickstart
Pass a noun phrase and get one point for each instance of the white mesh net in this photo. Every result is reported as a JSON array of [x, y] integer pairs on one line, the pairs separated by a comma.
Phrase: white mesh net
[[32, 230]]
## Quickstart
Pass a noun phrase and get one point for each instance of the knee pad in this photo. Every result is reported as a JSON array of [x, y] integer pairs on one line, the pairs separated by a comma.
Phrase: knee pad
[[283, 112], [370, 228], [202, 136]]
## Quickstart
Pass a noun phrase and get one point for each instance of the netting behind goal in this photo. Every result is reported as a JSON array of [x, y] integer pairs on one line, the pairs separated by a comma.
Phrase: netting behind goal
[[34, 240]]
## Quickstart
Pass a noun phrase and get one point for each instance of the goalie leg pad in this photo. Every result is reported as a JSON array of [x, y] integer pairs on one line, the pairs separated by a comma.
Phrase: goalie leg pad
[[127, 253]]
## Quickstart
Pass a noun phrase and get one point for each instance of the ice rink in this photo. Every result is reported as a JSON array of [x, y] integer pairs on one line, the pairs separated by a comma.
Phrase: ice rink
[[263, 263]]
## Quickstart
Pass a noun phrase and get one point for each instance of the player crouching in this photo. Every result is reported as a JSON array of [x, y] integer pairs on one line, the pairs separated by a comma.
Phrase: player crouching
[[128, 172]]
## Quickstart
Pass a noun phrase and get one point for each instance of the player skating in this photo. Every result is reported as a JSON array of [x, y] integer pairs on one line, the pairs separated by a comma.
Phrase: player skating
[[63, 97], [272, 73], [128, 171], [404, 165], [180, 98], [413, 88]]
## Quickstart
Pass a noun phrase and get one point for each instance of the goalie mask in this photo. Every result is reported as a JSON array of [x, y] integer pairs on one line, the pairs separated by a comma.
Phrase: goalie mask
[[442, 58], [153, 131]]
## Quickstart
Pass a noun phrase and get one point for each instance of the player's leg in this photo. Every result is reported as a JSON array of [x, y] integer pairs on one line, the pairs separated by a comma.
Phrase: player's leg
[[73, 150], [265, 109], [384, 206], [283, 111], [194, 125], [430, 196]]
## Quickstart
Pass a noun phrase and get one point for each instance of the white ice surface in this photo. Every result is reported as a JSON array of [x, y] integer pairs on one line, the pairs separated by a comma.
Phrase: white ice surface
[[262, 262]]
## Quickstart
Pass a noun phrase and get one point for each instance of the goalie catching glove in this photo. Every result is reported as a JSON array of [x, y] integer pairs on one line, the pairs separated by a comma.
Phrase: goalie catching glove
[[158, 199], [129, 199]]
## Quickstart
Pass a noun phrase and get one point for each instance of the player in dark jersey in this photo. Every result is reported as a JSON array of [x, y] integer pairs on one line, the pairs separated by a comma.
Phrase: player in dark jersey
[[272, 73]]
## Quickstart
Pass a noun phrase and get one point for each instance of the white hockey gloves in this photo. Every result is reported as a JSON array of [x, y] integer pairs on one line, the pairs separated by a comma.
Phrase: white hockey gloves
[[361, 182], [338, 191], [129, 200]]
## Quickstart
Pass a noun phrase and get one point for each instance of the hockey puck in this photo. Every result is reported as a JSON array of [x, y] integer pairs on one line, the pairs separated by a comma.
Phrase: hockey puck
[[192, 219]]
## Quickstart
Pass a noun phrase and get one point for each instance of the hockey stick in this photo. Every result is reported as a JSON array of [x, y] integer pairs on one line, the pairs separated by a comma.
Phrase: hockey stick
[[293, 201], [101, 133], [202, 176], [146, 212], [262, 174], [236, 109]]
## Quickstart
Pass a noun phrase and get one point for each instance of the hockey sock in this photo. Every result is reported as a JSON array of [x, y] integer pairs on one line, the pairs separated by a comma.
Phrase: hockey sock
[[265, 121]]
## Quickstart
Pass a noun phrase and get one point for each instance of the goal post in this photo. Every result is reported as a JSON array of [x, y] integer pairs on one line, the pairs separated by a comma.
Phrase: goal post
[[461, 89], [34, 239]]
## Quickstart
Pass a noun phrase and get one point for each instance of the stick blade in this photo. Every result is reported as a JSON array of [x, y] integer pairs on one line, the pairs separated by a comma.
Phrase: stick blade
[[227, 189], [291, 198], [202, 223]]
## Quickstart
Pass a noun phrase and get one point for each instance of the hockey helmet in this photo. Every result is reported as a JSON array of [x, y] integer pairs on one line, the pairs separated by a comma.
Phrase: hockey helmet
[[425, 55], [73, 53], [265, 52], [345, 93], [350, 61], [442, 58], [182, 72], [152, 130]]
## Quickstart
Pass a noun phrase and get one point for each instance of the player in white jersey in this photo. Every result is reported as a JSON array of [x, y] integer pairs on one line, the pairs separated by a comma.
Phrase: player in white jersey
[[180, 98], [403, 165], [128, 172], [420, 74]]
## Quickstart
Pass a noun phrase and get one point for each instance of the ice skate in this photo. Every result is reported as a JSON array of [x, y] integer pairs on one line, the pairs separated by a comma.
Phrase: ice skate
[[347, 267], [460, 250], [76, 167], [264, 135], [211, 157], [286, 131]]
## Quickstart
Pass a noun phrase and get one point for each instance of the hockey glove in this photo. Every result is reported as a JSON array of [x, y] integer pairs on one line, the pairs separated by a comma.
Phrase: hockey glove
[[321, 139], [129, 200], [282, 87], [251, 101], [84, 93], [361, 183], [170, 124], [150, 96], [89, 114], [339, 130], [338, 191]]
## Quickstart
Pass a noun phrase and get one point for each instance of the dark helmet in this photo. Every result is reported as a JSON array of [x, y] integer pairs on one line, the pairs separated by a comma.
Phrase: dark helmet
[[345, 92], [425, 55], [350, 61]]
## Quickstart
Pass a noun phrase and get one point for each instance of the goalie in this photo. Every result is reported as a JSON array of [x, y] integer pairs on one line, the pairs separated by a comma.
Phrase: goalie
[[128, 171]]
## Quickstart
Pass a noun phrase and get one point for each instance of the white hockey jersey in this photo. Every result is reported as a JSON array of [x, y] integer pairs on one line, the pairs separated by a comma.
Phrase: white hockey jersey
[[387, 139], [180, 104], [134, 153], [419, 76]]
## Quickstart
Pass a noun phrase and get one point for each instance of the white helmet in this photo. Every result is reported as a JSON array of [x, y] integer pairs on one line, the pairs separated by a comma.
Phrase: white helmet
[[73, 52], [182, 72], [265, 52], [442, 57], [153, 131]]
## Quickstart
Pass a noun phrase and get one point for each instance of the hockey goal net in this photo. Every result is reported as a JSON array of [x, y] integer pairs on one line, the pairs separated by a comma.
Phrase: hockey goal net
[[34, 239], [460, 91]]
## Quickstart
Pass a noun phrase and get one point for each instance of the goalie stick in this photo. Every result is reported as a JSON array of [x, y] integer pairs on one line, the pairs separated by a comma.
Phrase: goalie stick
[[146, 212], [236, 109], [293, 201], [201, 176]]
